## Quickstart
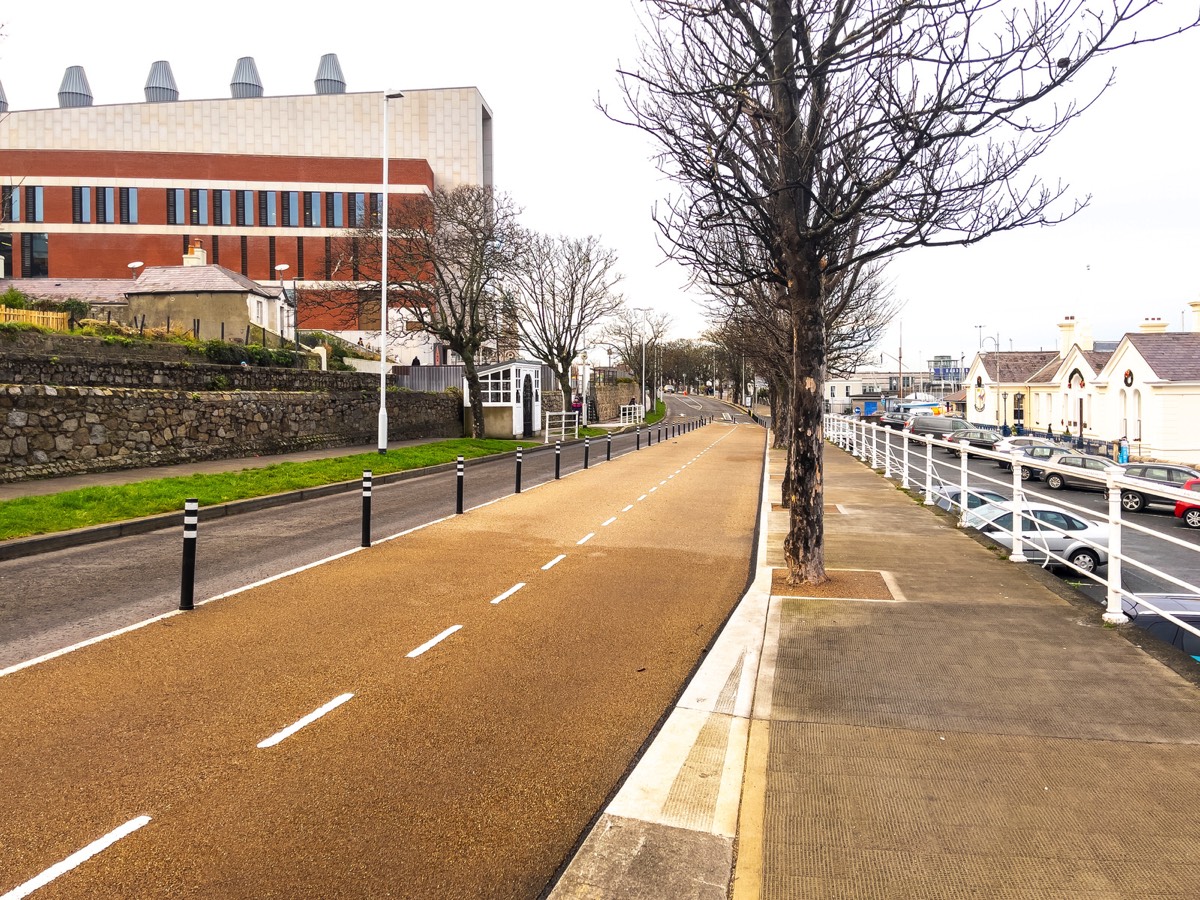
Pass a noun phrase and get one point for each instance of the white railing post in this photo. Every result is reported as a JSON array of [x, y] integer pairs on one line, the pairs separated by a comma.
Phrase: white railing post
[[1113, 612], [874, 447], [963, 497], [1018, 550], [860, 440], [904, 480], [887, 451], [928, 471]]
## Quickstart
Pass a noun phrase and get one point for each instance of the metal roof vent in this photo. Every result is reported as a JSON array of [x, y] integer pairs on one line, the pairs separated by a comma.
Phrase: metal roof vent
[[3, 100], [74, 90], [330, 79], [246, 82], [160, 83]]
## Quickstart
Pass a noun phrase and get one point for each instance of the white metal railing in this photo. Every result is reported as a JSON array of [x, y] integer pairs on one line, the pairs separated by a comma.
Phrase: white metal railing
[[633, 413], [560, 426], [872, 444]]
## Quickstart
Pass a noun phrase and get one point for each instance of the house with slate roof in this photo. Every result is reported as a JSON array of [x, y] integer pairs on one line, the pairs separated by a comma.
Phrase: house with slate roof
[[1145, 387]]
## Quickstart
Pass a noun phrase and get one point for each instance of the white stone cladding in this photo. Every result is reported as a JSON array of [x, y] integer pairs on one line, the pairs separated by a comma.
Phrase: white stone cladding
[[448, 127]]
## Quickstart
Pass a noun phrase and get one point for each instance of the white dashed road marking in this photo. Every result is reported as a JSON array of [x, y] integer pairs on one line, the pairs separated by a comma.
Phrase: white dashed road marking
[[587, 537], [433, 642], [554, 562], [307, 720], [512, 590], [75, 859], [608, 522]]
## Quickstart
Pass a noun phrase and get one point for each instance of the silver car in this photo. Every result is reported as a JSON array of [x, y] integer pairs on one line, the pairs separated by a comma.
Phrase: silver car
[[1049, 534]]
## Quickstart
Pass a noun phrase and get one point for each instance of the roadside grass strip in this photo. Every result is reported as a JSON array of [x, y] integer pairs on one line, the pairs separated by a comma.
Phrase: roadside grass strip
[[76, 859], [512, 590], [279, 736], [433, 642]]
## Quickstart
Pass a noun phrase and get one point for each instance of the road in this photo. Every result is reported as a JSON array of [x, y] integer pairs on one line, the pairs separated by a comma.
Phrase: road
[[1183, 562], [52, 600], [485, 683]]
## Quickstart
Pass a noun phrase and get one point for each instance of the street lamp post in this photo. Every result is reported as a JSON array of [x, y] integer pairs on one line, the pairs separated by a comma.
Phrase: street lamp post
[[583, 409], [383, 280]]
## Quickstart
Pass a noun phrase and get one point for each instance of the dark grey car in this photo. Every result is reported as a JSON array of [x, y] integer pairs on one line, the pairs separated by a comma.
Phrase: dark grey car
[[1135, 500]]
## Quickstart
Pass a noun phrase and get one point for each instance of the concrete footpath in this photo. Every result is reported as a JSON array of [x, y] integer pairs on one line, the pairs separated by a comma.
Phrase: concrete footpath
[[936, 721]]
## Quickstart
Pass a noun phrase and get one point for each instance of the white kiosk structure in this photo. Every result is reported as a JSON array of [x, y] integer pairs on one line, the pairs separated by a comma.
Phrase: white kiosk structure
[[512, 399]]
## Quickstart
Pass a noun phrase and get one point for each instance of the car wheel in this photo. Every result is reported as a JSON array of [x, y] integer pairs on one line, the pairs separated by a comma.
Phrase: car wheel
[[1084, 560], [1054, 481], [1191, 518], [1132, 501], [1026, 473]]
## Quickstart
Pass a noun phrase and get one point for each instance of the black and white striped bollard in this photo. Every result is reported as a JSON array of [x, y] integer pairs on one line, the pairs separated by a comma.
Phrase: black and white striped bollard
[[649, 437], [458, 506], [608, 449], [187, 580], [638, 428], [587, 451], [518, 470], [366, 509], [557, 460]]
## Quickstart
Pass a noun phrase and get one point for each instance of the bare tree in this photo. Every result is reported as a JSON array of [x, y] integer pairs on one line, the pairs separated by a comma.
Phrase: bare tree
[[559, 289], [635, 333], [834, 133]]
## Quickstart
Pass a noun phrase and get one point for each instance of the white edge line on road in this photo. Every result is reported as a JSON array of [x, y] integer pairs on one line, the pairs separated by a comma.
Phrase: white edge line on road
[[587, 537], [628, 508], [433, 642], [46, 657], [76, 859], [279, 736], [512, 590], [607, 522], [554, 562]]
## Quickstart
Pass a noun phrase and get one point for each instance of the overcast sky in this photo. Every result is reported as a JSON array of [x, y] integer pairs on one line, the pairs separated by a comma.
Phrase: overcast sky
[[541, 64]]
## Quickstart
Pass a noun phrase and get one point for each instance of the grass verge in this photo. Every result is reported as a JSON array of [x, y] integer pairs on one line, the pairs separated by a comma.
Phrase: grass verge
[[26, 516]]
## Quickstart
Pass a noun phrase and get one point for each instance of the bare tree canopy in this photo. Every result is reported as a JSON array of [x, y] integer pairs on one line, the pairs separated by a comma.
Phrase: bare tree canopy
[[635, 333], [832, 133], [559, 289]]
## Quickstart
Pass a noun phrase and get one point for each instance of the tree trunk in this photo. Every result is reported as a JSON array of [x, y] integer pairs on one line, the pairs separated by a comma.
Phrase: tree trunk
[[472, 377], [804, 546], [564, 385]]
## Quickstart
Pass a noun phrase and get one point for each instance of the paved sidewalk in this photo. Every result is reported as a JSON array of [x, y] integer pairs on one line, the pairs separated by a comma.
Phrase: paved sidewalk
[[935, 722]]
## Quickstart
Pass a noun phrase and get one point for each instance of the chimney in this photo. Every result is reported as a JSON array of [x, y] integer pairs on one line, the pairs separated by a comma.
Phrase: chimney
[[245, 82], [1195, 305], [1152, 325], [196, 255], [74, 90], [160, 83], [1066, 330], [330, 79]]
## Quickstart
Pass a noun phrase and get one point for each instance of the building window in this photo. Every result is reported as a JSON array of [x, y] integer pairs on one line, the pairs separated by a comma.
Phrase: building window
[[271, 258], [291, 208], [129, 206], [6, 254], [81, 205], [245, 210], [198, 206], [375, 204], [328, 258], [35, 255], [245, 251], [35, 198], [106, 207], [266, 209], [335, 209], [496, 387], [312, 209], [300, 259], [175, 206], [216, 249], [222, 214], [10, 204]]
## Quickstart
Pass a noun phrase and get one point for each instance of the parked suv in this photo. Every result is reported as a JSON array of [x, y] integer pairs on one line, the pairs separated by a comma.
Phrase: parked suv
[[1135, 500], [935, 426]]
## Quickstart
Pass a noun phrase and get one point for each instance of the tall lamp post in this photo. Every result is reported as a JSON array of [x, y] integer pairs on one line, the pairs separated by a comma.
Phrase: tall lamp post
[[383, 281], [999, 377], [279, 270]]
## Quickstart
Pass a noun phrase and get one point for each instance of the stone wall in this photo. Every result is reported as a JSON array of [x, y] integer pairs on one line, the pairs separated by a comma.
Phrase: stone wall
[[47, 431]]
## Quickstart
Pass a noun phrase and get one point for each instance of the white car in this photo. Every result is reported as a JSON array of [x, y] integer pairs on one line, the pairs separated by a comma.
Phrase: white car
[[1049, 534]]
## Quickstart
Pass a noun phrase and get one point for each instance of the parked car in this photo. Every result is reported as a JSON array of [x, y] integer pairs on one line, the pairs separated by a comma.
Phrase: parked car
[[1080, 471], [949, 497], [1137, 499], [935, 426], [1048, 533], [895, 419], [1185, 607], [1039, 453], [975, 437], [1189, 512], [1009, 444]]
